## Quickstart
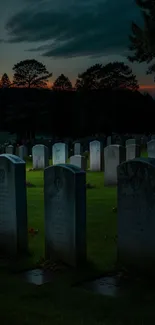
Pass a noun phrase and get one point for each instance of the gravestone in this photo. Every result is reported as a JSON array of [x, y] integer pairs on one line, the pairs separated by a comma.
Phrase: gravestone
[[143, 140], [136, 214], [79, 161], [151, 149], [132, 151], [17, 151], [130, 141], [118, 139], [109, 140], [65, 214], [96, 155], [77, 148], [22, 151], [40, 156], [9, 149], [13, 206], [60, 153], [113, 156]]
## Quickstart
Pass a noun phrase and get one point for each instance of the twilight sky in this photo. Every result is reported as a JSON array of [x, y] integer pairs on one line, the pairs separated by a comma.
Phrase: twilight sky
[[68, 36]]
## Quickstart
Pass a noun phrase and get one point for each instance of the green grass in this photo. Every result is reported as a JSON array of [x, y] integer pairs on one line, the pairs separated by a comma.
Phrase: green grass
[[59, 302]]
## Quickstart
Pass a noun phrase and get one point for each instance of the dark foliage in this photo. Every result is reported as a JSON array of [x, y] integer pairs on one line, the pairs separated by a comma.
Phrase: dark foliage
[[68, 113]]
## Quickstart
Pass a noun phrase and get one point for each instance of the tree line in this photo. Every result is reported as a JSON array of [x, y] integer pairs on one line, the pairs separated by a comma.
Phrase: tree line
[[33, 74], [106, 97]]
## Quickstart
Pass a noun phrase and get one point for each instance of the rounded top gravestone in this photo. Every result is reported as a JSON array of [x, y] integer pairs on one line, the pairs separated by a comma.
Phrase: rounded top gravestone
[[59, 153], [136, 214], [65, 213], [40, 156], [96, 155], [113, 156]]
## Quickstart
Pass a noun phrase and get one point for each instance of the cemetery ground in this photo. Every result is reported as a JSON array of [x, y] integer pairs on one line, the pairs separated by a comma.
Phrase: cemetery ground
[[61, 301]]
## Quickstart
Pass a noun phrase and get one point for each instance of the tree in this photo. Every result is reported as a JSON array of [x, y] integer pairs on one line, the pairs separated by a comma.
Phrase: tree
[[5, 81], [30, 74], [62, 83], [117, 75], [114, 75], [90, 79], [142, 39]]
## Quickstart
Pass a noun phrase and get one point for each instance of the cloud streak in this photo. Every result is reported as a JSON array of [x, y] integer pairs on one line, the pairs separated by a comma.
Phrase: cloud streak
[[86, 28]]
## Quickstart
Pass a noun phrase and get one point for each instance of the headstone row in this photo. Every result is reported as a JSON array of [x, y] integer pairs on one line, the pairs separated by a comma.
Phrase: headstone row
[[65, 210], [64, 204]]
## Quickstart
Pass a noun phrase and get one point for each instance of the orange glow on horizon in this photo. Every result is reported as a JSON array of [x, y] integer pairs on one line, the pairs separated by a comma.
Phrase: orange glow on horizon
[[146, 86], [50, 84], [141, 87]]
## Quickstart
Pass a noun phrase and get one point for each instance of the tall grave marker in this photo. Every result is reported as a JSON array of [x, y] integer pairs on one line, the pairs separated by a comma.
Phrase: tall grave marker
[[13, 205], [77, 148], [22, 151], [40, 156], [113, 156], [59, 153], [65, 214], [96, 155], [136, 214]]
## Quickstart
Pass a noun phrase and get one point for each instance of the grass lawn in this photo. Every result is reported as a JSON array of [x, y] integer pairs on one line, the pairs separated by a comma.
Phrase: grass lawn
[[58, 302]]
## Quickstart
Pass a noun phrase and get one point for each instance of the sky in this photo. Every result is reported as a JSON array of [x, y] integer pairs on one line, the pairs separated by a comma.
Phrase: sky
[[69, 36]]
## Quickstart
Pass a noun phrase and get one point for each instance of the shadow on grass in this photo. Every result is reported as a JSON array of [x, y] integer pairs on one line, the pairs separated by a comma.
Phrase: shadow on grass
[[90, 186], [29, 184], [69, 275]]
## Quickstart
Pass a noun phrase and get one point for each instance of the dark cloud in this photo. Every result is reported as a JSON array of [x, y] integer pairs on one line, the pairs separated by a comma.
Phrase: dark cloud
[[85, 28]]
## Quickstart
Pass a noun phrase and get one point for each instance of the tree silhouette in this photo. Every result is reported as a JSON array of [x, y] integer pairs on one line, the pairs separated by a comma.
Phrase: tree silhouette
[[90, 79], [117, 75], [62, 83], [5, 81], [30, 74], [114, 75], [142, 39]]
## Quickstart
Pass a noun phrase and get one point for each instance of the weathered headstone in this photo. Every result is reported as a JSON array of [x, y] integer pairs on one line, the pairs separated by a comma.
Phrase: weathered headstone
[[113, 156], [77, 148], [40, 156], [65, 214], [130, 141], [96, 156], [136, 214], [22, 151], [60, 153], [79, 161], [9, 149], [132, 151], [151, 149], [13, 206]]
